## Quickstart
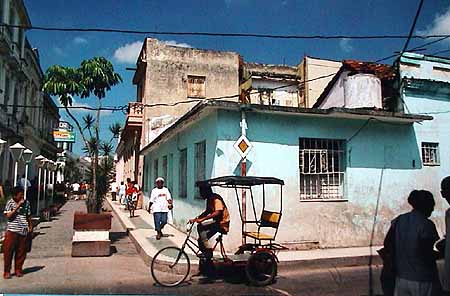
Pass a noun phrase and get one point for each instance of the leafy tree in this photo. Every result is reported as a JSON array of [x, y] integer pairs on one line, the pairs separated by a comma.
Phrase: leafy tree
[[95, 77]]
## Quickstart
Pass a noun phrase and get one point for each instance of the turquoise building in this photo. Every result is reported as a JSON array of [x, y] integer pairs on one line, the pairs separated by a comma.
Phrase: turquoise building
[[344, 168]]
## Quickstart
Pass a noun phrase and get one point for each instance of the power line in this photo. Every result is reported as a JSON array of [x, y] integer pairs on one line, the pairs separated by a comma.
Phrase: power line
[[439, 52], [412, 27], [220, 34]]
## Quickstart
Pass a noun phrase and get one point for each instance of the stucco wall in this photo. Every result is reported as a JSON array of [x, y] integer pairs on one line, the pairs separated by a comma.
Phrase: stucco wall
[[203, 130], [379, 147]]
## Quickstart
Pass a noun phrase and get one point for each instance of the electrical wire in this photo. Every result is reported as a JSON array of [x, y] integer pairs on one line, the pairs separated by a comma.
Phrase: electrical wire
[[412, 27], [221, 34]]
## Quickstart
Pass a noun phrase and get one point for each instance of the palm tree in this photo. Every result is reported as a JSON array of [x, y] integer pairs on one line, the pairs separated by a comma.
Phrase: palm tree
[[89, 121], [115, 130], [95, 76]]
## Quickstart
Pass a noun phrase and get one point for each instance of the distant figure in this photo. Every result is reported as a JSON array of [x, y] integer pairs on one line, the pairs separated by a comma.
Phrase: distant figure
[[24, 181], [414, 236], [131, 196], [76, 189], [18, 212], [113, 190], [160, 205], [122, 190], [445, 192]]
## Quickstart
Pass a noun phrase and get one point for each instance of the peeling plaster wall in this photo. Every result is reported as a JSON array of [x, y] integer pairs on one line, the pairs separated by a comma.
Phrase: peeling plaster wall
[[167, 73]]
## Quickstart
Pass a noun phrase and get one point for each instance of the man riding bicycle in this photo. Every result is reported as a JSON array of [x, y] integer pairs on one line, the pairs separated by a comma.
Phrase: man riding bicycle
[[219, 222]]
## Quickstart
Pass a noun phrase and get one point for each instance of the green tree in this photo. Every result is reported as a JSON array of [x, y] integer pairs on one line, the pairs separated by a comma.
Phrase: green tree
[[95, 77]]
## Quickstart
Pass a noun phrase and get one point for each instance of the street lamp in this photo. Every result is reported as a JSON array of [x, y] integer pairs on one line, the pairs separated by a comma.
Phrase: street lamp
[[27, 156], [52, 178], [39, 160], [2, 144], [45, 162], [16, 152]]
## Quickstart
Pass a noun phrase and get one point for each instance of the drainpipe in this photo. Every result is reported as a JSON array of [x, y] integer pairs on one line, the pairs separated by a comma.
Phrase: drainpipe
[[243, 173]]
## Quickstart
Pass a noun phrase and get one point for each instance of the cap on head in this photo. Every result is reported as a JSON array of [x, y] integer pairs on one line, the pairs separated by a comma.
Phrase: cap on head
[[159, 179]]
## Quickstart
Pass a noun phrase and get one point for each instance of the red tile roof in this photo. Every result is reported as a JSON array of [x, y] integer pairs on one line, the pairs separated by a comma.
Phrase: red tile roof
[[380, 70]]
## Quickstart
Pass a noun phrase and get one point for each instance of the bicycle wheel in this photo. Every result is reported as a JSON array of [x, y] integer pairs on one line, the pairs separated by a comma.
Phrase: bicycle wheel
[[261, 269], [170, 266]]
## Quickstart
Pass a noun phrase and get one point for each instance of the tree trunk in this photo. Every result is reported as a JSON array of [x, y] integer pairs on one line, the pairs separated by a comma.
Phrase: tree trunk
[[91, 202], [98, 199]]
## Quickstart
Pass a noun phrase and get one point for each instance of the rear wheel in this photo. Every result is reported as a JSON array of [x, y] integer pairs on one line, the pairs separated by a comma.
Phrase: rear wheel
[[170, 267], [261, 269]]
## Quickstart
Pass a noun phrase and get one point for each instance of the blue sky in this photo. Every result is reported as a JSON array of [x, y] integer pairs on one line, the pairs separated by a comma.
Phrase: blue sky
[[321, 17]]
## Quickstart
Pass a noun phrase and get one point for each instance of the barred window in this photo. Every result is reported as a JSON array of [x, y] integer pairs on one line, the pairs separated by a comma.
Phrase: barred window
[[430, 153], [183, 174], [200, 163], [321, 169], [196, 87]]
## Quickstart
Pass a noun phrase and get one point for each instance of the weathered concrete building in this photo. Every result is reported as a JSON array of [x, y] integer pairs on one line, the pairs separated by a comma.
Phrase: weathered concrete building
[[274, 85], [315, 74], [27, 115], [339, 161]]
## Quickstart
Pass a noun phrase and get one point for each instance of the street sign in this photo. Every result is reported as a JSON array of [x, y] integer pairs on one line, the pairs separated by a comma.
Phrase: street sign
[[63, 136], [243, 146]]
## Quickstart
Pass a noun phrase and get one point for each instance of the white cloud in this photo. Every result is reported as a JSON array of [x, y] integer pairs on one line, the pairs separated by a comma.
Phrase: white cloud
[[174, 43], [345, 45], [129, 53], [59, 51], [440, 25], [80, 40]]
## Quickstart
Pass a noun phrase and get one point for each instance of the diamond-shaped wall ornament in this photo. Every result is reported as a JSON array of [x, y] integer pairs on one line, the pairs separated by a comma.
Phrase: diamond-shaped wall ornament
[[243, 146]]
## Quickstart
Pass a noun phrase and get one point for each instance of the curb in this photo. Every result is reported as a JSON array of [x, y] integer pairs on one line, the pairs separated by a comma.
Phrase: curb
[[322, 263], [317, 263]]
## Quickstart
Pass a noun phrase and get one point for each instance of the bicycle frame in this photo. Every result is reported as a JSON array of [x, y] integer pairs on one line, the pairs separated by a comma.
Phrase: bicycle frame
[[191, 244]]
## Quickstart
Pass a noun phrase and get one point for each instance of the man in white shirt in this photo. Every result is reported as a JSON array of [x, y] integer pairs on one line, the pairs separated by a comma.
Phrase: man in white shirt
[[76, 189], [160, 205]]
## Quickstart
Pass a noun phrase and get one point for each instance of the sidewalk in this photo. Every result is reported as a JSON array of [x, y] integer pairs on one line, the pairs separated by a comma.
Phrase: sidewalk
[[141, 231]]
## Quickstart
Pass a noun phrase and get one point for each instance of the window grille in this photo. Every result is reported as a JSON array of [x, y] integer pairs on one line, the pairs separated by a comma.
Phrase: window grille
[[183, 174], [321, 169], [430, 153], [200, 163], [196, 87]]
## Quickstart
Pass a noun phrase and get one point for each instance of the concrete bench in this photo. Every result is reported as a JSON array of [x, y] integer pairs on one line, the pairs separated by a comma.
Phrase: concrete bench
[[91, 243], [91, 235]]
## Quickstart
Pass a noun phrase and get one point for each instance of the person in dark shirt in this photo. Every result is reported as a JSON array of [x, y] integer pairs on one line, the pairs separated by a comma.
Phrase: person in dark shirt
[[414, 237]]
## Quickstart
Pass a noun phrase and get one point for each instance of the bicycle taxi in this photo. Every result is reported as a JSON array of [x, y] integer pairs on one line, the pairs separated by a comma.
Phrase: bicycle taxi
[[257, 253]]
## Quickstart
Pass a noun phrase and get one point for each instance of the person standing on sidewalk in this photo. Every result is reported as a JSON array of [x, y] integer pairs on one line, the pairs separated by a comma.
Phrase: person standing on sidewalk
[[445, 192], [160, 205], [18, 212], [414, 238]]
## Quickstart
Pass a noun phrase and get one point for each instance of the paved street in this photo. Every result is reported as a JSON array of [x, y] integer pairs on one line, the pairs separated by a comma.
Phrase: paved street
[[50, 269]]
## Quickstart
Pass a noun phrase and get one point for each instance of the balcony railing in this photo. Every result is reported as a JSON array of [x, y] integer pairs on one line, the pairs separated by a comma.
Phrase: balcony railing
[[135, 114]]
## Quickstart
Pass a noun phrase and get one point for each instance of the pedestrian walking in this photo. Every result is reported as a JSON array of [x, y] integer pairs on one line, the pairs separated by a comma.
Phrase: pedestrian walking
[[445, 245], [160, 204], [113, 191], [412, 237], [23, 181], [139, 195], [76, 190], [18, 212], [122, 190], [131, 196]]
